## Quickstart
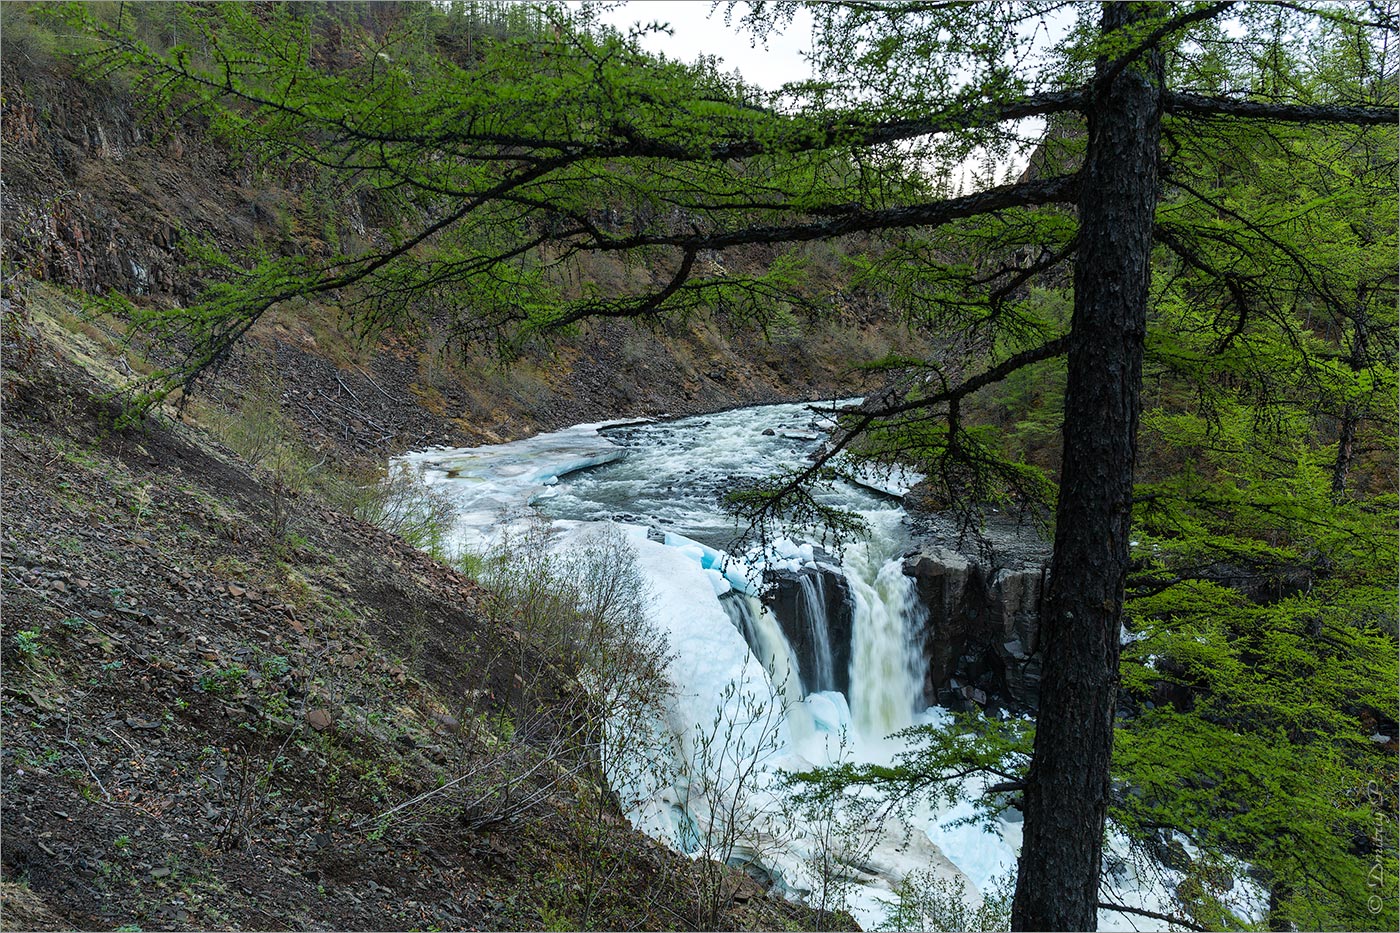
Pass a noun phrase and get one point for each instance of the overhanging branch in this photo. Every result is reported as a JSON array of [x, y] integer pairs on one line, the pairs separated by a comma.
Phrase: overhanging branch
[[1199, 105], [847, 132], [864, 419], [620, 139], [1140, 912], [1062, 189], [1057, 347], [637, 308]]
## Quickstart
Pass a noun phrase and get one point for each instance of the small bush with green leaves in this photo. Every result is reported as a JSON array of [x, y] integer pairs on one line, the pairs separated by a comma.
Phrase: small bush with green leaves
[[28, 641], [222, 680]]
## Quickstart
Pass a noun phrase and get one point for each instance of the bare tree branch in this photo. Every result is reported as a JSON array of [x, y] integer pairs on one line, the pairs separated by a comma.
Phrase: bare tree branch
[[1199, 105], [1138, 911]]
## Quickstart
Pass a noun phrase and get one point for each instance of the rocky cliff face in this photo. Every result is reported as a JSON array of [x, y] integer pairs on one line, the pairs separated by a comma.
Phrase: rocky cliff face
[[815, 611], [78, 211], [984, 604]]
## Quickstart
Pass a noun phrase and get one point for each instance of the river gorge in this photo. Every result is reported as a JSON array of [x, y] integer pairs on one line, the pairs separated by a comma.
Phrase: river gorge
[[790, 655]]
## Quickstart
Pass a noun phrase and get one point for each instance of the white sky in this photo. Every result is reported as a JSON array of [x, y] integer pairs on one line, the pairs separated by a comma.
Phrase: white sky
[[697, 31]]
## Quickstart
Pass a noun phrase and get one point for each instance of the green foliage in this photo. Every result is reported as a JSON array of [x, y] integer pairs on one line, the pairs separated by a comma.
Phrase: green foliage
[[29, 642], [941, 760], [1264, 656], [274, 666], [26, 38], [1291, 812], [1026, 408], [1265, 649], [222, 679], [795, 499], [1264, 652]]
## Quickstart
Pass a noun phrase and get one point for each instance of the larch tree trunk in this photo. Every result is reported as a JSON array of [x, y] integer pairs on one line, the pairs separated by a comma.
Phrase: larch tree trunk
[[1067, 788], [1346, 447], [1358, 359]]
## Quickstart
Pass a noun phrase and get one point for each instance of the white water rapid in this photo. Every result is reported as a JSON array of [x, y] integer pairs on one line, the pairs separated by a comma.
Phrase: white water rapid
[[887, 664], [734, 667]]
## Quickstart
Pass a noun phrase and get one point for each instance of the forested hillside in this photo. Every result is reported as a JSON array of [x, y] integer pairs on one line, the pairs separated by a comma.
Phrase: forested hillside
[[100, 196], [255, 678]]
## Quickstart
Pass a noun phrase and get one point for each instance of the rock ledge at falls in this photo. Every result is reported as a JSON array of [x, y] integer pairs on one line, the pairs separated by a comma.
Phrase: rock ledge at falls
[[816, 612], [984, 600]]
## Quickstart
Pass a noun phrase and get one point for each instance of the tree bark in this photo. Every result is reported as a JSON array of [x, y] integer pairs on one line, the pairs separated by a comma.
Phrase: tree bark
[[1357, 360], [1346, 445], [1067, 789]]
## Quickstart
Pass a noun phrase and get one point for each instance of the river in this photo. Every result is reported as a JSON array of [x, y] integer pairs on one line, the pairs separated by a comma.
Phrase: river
[[735, 670]]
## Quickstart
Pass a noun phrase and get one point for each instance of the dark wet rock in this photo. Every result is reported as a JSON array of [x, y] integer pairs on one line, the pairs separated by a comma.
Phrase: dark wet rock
[[448, 722], [800, 621], [984, 604]]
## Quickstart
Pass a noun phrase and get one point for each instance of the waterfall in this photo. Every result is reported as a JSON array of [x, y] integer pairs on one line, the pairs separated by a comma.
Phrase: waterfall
[[887, 662], [767, 643], [718, 634], [812, 611], [886, 670]]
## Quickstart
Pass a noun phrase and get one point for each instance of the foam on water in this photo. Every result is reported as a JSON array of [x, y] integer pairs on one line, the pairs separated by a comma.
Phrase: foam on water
[[887, 665], [675, 474]]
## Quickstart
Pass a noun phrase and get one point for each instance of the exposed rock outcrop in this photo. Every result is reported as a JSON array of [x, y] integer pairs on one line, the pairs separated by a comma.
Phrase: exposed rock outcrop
[[982, 637], [815, 611]]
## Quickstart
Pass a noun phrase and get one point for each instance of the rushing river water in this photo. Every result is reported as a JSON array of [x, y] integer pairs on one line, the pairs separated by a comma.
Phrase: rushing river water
[[662, 484]]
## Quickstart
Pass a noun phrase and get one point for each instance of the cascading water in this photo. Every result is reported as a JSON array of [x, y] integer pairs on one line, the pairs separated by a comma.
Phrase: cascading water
[[812, 616], [664, 481], [767, 642], [887, 662]]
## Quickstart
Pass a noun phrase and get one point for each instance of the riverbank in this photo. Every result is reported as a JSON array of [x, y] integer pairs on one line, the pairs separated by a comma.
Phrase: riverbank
[[213, 693]]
